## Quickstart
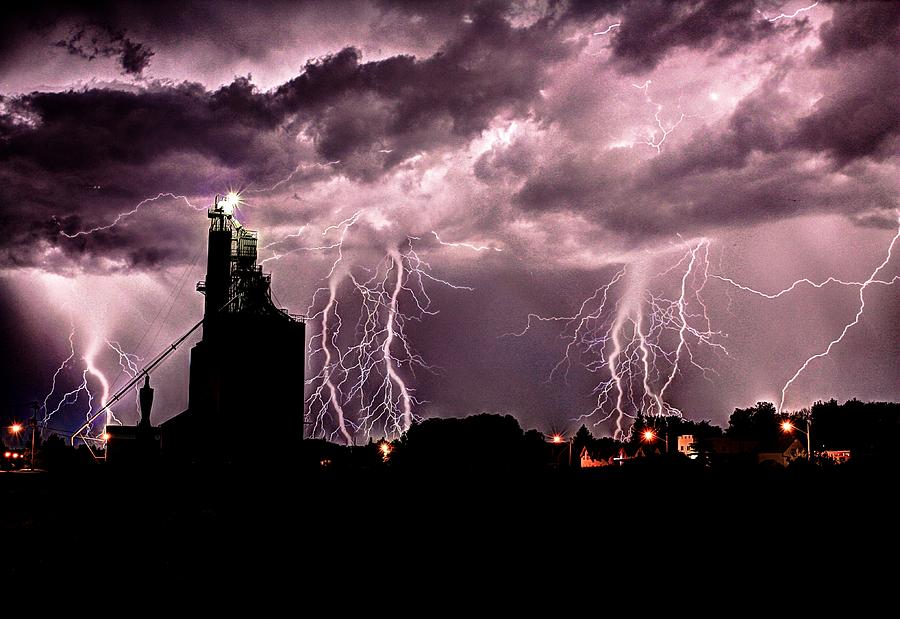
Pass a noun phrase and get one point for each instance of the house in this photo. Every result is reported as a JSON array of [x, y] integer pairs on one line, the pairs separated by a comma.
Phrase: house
[[687, 445], [787, 451], [839, 456], [590, 461]]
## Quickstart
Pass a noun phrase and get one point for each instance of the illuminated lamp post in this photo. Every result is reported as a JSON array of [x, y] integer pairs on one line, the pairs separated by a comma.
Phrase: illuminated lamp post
[[650, 436], [15, 429], [557, 439], [787, 427]]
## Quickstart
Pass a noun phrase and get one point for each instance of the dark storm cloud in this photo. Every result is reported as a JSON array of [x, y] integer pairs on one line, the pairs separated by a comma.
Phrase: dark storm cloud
[[368, 115], [87, 130], [756, 125], [406, 105], [652, 29], [858, 26], [861, 118], [752, 165], [91, 33], [75, 159], [96, 41]]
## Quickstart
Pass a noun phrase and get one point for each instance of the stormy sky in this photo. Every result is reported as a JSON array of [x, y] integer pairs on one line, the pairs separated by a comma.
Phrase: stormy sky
[[554, 143]]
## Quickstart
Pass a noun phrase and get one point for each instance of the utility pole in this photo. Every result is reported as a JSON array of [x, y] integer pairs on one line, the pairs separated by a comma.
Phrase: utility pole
[[809, 437], [33, 424]]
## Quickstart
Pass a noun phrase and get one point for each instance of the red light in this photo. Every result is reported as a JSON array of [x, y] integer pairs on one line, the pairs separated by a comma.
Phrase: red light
[[7, 454], [15, 456]]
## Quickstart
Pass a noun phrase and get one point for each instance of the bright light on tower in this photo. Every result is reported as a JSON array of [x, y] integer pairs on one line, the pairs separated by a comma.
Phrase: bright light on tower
[[231, 201]]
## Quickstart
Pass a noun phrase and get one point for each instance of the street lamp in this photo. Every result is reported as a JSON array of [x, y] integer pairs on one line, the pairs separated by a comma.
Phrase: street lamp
[[787, 427], [557, 439], [15, 428], [650, 436], [385, 449]]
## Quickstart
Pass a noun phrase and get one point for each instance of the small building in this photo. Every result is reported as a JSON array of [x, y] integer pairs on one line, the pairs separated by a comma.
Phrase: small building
[[787, 451], [839, 456], [590, 461], [687, 445]]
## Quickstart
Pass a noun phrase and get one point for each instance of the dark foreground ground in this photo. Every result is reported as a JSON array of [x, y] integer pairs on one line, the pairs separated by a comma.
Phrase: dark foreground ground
[[193, 523]]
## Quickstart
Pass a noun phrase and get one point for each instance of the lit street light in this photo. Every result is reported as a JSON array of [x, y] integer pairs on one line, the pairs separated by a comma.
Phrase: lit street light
[[15, 428], [557, 439], [650, 436], [385, 449], [787, 427]]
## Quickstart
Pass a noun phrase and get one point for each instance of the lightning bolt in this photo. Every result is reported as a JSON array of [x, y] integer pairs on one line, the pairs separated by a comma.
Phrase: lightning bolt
[[464, 245], [872, 280], [127, 214], [45, 407], [92, 369], [342, 226], [127, 361], [129, 364], [636, 339], [790, 16], [301, 167], [391, 372], [653, 140], [607, 31], [362, 387], [327, 393], [51, 405]]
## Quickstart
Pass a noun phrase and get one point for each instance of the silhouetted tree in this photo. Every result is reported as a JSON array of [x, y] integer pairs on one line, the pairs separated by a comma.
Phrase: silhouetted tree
[[867, 429], [760, 423], [475, 443], [583, 438]]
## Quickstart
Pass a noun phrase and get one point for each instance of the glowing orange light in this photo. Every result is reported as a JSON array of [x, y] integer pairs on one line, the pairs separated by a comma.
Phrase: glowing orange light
[[649, 435], [15, 456], [787, 426], [557, 438], [15, 428], [385, 450], [7, 454], [104, 436]]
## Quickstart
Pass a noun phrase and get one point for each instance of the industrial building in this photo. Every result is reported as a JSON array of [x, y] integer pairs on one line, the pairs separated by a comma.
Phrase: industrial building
[[247, 372]]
